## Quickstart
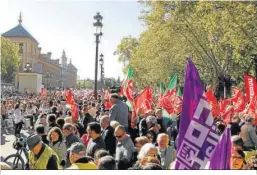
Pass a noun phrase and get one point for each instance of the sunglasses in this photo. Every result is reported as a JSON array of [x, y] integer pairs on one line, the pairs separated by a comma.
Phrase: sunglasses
[[120, 135]]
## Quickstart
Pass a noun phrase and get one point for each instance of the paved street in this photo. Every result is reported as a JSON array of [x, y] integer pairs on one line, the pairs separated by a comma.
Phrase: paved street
[[7, 139]]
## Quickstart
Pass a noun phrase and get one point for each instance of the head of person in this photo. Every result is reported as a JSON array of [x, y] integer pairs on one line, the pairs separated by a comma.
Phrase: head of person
[[152, 166], [123, 164], [114, 124], [93, 105], [40, 130], [99, 154], [51, 118], [4, 102], [150, 136], [67, 129], [149, 113], [249, 119], [17, 106], [120, 133], [158, 113], [114, 98], [163, 141], [77, 150], [221, 127], [85, 109], [54, 109], [105, 121], [34, 144], [68, 120], [55, 135], [107, 163], [51, 103], [69, 113], [140, 142], [60, 122], [151, 121], [147, 151], [236, 119], [237, 142], [94, 130]]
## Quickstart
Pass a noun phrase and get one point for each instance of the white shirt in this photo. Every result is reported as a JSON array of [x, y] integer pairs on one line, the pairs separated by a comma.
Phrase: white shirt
[[34, 109], [29, 111], [17, 116]]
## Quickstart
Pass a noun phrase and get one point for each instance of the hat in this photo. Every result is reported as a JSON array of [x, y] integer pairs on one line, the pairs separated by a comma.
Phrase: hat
[[151, 119], [33, 140], [78, 148]]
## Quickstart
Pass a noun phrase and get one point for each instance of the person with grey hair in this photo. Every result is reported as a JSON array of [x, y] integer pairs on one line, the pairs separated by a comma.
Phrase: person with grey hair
[[70, 138], [125, 146], [108, 134], [248, 134], [78, 158], [107, 163]]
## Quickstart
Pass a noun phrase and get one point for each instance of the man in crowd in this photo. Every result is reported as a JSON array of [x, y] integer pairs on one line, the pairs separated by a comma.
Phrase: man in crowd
[[41, 156], [78, 159], [70, 138], [248, 134], [125, 147], [87, 118], [119, 111], [107, 163], [92, 110], [108, 134], [3, 111], [96, 142]]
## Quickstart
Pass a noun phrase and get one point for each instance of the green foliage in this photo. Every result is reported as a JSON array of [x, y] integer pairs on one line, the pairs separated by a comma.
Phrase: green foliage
[[9, 60], [85, 84], [220, 36]]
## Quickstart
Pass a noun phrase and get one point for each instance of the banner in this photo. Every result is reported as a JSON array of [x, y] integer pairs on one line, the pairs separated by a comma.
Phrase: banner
[[250, 87], [198, 138], [222, 153], [215, 108], [238, 100]]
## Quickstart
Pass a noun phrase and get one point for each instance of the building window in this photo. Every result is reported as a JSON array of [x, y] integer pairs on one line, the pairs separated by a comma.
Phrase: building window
[[21, 48]]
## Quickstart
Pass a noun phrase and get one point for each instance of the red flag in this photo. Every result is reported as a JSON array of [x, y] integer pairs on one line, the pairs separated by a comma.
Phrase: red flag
[[215, 108], [74, 110], [238, 100], [228, 115], [43, 92], [250, 87], [171, 102], [143, 102], [69, 99], [252, 108], [223, 105]]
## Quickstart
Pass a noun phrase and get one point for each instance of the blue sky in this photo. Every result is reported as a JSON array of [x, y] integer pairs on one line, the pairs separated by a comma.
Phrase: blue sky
[[68, 24]]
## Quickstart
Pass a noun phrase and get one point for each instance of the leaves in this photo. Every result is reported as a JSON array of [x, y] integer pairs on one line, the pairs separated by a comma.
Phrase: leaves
[[9, 61]]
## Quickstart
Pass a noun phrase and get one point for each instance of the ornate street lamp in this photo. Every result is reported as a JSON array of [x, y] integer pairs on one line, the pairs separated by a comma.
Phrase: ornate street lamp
[[98, 33], [28, 67], [101, 62]]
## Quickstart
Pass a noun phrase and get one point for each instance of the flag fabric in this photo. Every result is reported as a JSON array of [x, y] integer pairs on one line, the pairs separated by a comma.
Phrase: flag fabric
[[228, 114], [179, 92], [238, 100], [252, 108], [107, 96], [170, 101], [143, 102], [43, 92], [223, 105], [198, 138], [215, 108], [160, 95], [221, 156], [127, 87], [74, 110], [69, 98], [250, 87]]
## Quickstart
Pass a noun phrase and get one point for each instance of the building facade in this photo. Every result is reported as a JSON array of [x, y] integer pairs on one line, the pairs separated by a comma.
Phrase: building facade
[[54, 73]]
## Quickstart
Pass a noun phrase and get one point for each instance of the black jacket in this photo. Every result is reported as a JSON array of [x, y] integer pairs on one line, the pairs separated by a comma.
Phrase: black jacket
[[109, 139], [87, 119], [235, 128], [80, 129]]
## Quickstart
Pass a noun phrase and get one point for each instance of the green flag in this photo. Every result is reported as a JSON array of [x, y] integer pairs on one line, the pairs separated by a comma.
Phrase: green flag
[[173, 83], [127, 87], [162, 91], [179, 92]]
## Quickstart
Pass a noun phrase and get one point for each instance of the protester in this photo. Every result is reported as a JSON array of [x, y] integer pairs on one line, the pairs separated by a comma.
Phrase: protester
[[70, 138], [108, 134], [41, 156], [60, 122], [51, 119], [237, 157], [107, 163], [96, 142], [87, 118], [119, 111], [56, 142], [78, 159], [114, 124], [125, 146], [248, 134], [99, 154], [40, 130], [18, 120]]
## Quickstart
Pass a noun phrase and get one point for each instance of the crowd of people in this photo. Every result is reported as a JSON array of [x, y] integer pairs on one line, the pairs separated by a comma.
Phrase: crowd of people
[[101, 138]]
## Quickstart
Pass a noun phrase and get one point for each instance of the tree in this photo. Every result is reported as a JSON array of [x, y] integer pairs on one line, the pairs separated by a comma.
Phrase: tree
[[219, 36], [125, 50], [85, 84], [10, 60]]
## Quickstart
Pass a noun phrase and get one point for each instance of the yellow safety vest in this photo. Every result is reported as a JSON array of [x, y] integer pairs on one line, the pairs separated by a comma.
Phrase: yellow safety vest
[[41, 163], [83, 166]]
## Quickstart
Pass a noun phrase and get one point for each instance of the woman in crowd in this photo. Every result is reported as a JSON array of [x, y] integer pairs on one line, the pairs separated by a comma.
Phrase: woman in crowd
[[56, 142], [237, 156], [29, 113], [18, 120]]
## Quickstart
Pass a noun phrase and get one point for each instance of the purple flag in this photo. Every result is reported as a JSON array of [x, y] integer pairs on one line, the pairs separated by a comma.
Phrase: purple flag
[[220, 159], [197, 132]]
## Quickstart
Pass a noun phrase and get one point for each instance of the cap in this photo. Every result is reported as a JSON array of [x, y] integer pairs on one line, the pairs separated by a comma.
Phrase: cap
[[33, 140], [78, 148], [151, 119]]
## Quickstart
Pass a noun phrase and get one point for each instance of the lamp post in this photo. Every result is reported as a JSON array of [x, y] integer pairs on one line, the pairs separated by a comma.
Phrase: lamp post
[[28, 67], [98, 33], [101, 62]]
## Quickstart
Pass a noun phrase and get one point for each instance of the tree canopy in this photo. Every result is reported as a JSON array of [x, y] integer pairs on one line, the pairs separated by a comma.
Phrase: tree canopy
[[219, 36], [9, 60]]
